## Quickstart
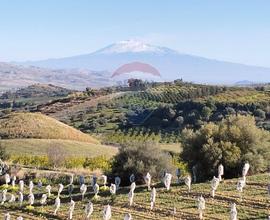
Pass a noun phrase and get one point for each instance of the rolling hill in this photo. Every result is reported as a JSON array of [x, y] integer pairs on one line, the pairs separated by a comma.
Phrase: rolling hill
[[17, 76], [33, 134], [36, 125], [37, 90]]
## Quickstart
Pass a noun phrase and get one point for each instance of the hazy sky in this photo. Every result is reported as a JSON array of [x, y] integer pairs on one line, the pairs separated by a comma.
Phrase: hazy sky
[[232, 30]]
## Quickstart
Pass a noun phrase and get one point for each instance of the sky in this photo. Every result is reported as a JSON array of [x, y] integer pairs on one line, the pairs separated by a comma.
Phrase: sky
[[230, 30]]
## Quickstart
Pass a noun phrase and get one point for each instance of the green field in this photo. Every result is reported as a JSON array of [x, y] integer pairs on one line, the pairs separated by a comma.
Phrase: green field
[[254, 205]]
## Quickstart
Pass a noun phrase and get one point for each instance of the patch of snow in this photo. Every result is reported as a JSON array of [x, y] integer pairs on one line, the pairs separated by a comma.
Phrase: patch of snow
[[133, 46]]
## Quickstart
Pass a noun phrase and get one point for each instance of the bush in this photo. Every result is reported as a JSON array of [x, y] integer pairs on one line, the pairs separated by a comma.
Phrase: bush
[[138, 158], [100, 162], [260, 113], [37, 161], [3, 153], [74, 162], [56, 156], [206, 112], [231, 142]]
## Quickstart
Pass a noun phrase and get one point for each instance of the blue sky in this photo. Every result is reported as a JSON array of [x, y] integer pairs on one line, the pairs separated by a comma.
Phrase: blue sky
[[232, 30]]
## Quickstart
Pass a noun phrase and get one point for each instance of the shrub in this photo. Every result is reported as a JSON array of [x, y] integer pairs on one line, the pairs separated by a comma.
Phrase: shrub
[[138, 158], [74, 162], [37, 161], [56, 156], [3, 153], [260, 113], [100, 162], [231, 142], [206, 112]]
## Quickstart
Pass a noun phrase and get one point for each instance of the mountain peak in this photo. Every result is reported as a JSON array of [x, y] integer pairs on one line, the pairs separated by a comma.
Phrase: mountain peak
[[134, 46]]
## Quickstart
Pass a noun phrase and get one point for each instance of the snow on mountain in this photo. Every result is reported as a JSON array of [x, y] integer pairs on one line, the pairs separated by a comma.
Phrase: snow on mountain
[[132, 46], [170, 63]]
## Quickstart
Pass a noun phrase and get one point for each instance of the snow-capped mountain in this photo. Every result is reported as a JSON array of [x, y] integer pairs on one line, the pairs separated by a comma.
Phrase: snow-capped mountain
[[133, 46], [170, 63]]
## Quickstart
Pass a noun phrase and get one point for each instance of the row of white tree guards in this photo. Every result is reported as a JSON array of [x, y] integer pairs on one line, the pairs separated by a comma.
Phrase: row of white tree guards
[[107, 213]]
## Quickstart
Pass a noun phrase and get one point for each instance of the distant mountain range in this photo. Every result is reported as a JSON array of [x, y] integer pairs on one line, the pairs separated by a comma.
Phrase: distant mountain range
[[170, 63], [17, 76], [95, 69]]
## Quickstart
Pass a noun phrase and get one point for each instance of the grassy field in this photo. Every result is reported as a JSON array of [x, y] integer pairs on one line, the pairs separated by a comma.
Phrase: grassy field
[[72, 148], [254, 205], [36, 125]]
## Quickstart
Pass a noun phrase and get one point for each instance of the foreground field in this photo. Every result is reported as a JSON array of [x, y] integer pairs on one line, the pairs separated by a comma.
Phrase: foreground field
[[255, 203], [39, 147]]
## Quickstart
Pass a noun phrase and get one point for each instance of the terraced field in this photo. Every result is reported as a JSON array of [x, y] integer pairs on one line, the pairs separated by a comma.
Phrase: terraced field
[[172, 94], [255, 202]]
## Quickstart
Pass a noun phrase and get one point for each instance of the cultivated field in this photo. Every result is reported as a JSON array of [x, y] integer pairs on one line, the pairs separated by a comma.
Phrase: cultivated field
[[254, 205]]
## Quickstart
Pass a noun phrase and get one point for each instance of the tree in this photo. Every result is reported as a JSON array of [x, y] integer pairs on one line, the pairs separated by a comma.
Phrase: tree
[[206, 112], [56, 156], [169, 113], [90, 91], [179, 121], [230, 111], [231, 142], [138, 158], [260, 113], [137, 84]]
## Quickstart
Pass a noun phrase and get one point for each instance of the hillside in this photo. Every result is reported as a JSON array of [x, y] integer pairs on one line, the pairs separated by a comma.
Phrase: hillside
[[17, 76], [36, 125], [254, 204], [28, 98], [63, 109], [239, 96], [37, 90], [73, 149], [157, 111], [160, 111]]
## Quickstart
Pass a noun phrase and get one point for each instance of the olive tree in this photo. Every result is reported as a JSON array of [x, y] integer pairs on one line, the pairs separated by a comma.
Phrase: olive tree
[[139, 158], [230, 142]]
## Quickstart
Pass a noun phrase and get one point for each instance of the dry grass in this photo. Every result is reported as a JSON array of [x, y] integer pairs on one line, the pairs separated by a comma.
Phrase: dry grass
[[72, 148], [172, 147], [36, 125]]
